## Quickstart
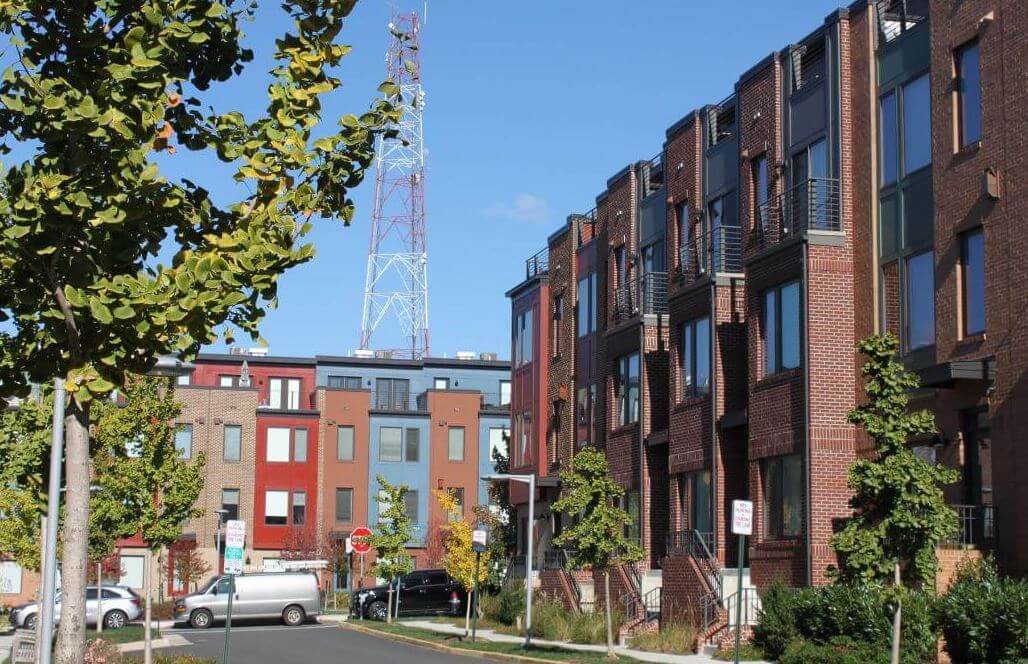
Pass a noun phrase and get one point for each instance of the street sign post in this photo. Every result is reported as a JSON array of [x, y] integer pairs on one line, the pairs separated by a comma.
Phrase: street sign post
[[742, 525], [235, 538], [479, 538], [360, 542]]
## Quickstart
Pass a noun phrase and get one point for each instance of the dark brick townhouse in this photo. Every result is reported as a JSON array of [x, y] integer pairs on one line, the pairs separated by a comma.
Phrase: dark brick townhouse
[[700, 322]]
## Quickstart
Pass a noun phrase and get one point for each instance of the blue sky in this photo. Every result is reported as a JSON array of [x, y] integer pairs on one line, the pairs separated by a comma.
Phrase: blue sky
[[530, 107]]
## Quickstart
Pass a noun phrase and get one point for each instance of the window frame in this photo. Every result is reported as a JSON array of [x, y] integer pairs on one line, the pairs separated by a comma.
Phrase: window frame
[[624, 389], [341, 382], [773, 469], [224, 443], [687, 353], [267, 515], [293, 505], [344, 491], [443, 380], [450, 431], [505, 382], [185, 428], [760, 179], [353, 442], [960, 93], [966, 287], [284, 392], [557, 316], [291, 444], [773, 363], [227, 506], [906, 299]]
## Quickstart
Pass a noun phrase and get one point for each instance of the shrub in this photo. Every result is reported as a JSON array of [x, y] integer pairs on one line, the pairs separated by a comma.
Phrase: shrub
[[102, 652], [747, 653], [506, 606], [162, 610], [591, 627], [839, 651], [776, 622], [984, 618], [550, 620], [677, 638]]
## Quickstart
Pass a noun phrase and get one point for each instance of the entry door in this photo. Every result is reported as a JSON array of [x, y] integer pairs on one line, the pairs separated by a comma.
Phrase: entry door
[[810, 187]]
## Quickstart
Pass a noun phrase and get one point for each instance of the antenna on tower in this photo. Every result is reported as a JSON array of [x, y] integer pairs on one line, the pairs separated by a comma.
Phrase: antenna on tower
[[396, 285]]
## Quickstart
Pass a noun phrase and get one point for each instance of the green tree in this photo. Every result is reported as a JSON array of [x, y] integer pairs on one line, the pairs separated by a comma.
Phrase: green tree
[[390, 537], [900, 510], [596, 537], [105, 264], [145, 484], [460, 559]]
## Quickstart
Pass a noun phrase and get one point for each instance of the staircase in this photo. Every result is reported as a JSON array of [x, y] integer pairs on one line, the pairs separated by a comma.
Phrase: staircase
[[641, 604]]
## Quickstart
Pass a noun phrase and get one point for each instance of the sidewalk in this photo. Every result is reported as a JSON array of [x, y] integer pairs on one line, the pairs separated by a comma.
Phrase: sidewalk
[[490, 635]]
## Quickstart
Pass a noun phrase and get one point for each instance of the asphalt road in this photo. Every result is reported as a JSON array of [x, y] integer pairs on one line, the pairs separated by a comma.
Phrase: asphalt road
[[309, 644]]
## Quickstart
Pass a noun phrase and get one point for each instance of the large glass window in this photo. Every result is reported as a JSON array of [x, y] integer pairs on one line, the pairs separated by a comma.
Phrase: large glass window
[[345, 382], [695, 357], [276, 508], [969, 94], [284, 393], [412, 444], [782, 328], [783, 496], [587, 304], [390, 444], [697, 494], [973, 281], [761, 190], [889, 134], [184, 441], [682, 226], [278, 444], [920, 300], [627, 388], [504, 392], [555, 322], [455, 448], [523, 338], [344, 443], [230, 503], [232, 443], [299, 508], [917, 125], [300, 445], [392, 393], [410, 504], [344, 505]]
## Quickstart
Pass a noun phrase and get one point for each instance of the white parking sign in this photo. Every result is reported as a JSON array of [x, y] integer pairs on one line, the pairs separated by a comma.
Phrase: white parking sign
[[742, 517], [235, 536]]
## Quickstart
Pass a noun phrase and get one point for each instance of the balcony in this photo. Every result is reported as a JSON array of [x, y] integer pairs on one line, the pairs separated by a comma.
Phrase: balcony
[[585, 226], [975, 528], [896, 17], [715, 252], [538, 263], [644, 296], [812, 205]]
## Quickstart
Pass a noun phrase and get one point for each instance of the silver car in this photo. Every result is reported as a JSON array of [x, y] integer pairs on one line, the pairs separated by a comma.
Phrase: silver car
[[120, 606], [290, 596]]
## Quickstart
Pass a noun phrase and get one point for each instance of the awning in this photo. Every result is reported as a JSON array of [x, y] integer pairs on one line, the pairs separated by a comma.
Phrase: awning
[[948, 373]]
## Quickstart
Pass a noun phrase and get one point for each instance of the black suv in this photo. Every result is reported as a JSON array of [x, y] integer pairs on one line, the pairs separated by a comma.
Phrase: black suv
[[426, 591]]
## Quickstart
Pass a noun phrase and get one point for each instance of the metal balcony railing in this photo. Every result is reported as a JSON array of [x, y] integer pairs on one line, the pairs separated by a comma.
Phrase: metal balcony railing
[[897, 16], [538, 263], [750, 607], [647, 295], [585, 226], [715, 252], [976, 527], [811, 205], [399, 403]]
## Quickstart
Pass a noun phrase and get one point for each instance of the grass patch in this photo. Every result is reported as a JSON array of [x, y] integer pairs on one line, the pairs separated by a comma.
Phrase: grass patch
[[540, 652], [483, 623], [747, 653], [126, 634], [675, 639]]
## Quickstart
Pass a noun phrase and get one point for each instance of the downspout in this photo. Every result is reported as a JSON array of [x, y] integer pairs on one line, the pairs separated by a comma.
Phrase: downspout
[[644, 525], [806, 414], [714, 521]]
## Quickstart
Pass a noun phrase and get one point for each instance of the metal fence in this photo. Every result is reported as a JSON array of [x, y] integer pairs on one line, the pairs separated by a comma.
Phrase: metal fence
[[643, 296], [975, 527], [811, 205], [898, 16], [538, 263]]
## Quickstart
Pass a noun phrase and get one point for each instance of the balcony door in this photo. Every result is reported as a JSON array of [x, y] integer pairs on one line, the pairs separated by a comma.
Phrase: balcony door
[[810, 186]]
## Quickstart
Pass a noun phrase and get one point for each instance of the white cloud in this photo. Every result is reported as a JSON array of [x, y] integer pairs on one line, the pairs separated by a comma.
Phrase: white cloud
[[524, 207]]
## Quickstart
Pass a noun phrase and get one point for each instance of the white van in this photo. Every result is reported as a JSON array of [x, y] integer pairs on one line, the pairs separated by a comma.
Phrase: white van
[[291, 596]]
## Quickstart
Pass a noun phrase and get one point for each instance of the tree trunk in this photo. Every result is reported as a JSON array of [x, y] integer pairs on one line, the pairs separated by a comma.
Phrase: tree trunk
[[71, 641], [607, 610], [467, 615], [148, 615], [897, 623], [389, 603]]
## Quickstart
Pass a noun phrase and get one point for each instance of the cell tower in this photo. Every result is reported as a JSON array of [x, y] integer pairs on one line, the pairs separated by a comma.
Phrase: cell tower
[[396, 286]]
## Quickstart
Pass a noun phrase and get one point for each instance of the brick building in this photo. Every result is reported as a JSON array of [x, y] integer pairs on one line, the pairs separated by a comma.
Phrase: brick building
[[866, 178]]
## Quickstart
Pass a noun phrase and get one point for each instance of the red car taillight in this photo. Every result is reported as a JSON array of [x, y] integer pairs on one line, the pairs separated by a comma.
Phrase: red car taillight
[[135, 602]]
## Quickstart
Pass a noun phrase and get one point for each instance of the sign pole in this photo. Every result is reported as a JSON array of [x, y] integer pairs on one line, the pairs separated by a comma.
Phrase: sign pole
[[742, 525], [360, 583], [235, 536], [228, 617], [474, 597], [738, 599]]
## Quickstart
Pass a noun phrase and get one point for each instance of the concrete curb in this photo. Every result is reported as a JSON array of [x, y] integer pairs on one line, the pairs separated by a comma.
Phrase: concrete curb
[[444, 648], [169, 641]]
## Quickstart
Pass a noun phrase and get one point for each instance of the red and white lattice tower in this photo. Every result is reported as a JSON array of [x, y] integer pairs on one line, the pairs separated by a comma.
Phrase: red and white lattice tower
[[396, 286]]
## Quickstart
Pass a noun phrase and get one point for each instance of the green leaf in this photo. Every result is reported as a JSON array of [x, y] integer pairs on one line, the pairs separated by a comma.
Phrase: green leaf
[[124, 312], [100, 312], [215, 11]]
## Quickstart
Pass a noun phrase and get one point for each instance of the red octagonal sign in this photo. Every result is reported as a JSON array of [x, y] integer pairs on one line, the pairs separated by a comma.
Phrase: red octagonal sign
[[360, 539]]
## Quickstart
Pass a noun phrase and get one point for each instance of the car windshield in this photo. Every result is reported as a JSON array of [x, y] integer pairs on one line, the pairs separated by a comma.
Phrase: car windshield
[[206, 587]]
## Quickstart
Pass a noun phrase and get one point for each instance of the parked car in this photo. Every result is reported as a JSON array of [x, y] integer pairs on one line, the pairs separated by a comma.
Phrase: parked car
[[291, 596], [429, 591], [120, 605]]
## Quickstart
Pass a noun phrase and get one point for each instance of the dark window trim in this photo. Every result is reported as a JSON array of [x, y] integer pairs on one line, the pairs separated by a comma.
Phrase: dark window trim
[[966, 332], [777, 290]]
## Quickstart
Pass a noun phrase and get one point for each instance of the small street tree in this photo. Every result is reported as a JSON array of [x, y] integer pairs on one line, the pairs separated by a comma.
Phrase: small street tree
[[144, 481], [106, 264], [390, 537], [596, 535], [900, 512], [460, 558], [190, 567], [302, 543]]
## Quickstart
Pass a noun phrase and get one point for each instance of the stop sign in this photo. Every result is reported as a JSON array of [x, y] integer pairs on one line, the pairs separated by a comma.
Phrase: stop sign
[[360, 539]]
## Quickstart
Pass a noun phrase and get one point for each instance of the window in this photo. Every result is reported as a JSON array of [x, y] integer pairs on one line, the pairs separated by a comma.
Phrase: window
[[632, 505], [620, 267], [441, 384], [230, 503], [889, 138], [783, 496], [782, 328], [587, 304], [716, 212], [412, 444], [969, 94], [278, 444], [182, 380], [458, 496], [498, 441], [10, 578], [558, 316], [972, 289], [276, 508], [761, 191], [184, 441], [226, 380], [284, 393], [504, 392], [523, 338], [456, 444], [697, 494], [390, 444], [300, 445], [344, 444], [920, 300], [344, 505], [410, 505], [682, 228], [345, 382], [627, 389], [131, 571], [808, 63], [694, 357], [299, 508], [917, 125], [232, 443], [392, 393]]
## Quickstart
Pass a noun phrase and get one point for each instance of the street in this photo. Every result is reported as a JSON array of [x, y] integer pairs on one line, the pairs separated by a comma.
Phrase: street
[[276, 644]]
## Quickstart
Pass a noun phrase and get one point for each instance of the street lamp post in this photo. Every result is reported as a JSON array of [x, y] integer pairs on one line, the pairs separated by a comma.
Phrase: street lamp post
[[530, 481]]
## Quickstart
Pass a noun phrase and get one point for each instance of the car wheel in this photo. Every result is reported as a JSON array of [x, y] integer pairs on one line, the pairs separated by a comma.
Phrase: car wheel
[[115, 619], [378, 611], [30, 622], [201, 619], [293, 616]]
